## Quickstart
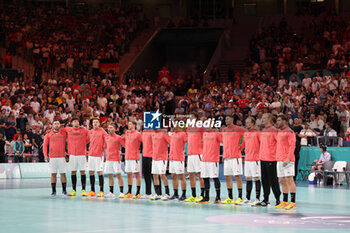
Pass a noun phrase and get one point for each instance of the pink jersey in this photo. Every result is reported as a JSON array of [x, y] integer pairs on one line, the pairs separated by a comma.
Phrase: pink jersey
[[56, 143], [177, 146], [112, 145], [286, 144], [160, 142], [268, 140], [132, 142], [97, 142], [147, 147], [231, 137], [251, 143], [195, 141], [211, 146], [78, 138]]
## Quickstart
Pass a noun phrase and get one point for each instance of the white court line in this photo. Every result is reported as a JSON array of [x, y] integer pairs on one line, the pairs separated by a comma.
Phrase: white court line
[[147, 228]]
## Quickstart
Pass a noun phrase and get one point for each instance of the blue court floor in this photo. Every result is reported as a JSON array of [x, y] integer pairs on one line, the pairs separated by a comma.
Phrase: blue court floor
[[25, 206]]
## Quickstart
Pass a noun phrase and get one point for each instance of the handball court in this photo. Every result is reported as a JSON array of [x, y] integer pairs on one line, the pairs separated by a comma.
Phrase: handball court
[[26, 206]]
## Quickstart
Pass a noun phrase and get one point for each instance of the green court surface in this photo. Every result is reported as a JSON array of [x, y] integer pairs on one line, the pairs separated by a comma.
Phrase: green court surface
[[27, 207]]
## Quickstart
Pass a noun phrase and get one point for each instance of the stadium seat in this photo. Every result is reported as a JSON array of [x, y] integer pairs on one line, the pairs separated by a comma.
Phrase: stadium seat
[[338, 172], [327, 168], [347, 173], [346, 143]]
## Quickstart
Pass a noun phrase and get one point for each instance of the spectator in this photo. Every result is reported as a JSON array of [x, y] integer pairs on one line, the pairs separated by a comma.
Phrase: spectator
[[306, 135], [28, 148], [2, 149], [325, 156], [344, 117], [18, 149], [329, 132]]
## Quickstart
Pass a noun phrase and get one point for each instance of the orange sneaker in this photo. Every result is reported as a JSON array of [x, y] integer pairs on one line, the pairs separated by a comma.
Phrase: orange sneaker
[[282, 205], [100, 194], [91, 194], [128, 195], [138, 196], [292, 205]]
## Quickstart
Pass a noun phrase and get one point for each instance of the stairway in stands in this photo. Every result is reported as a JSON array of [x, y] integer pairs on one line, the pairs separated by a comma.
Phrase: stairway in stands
[[239, 51]]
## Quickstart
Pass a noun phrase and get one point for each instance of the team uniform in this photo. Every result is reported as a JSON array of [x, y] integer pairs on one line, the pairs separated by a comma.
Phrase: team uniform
[[96, 149], [132, 141], [195, 149], [147, 153], [177, 155], [96, 158], [286, 141], [113, 162], [267, 155], [77, 139], [160, 152], [57, 151], [252, 168], [210, 163], [251, 143], [232, 155]]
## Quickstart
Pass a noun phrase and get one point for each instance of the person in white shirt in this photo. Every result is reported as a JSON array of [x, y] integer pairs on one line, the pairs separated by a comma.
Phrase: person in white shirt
[[49, 114], [333, 84], [35, 105], [305, 134], [325, 156], [299, 65], [329, 132], [306, 81], [102, 102], [293, 82], [282, 82], [315, 85], [344, 117]]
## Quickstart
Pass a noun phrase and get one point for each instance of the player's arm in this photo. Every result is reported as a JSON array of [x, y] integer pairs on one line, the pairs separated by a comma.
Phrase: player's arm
[[45, 144]]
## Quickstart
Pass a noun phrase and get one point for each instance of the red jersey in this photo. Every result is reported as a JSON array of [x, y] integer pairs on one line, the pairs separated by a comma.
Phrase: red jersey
[[56, 143], [232, 136], [160, 142], [286, 144], [112, 145], [147, 147], [132, 142], [78, 138], [251, 143], [211, 146], [268, 141], [177, 146], [195, 141], [97, 142]]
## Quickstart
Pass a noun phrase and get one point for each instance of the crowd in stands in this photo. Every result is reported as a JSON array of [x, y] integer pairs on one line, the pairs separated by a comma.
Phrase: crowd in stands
[[318, 105]]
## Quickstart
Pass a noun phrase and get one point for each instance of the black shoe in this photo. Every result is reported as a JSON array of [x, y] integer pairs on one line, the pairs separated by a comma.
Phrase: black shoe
[[204, 200], [217, 200], [264, 203], [277, 203], [53, 194], [64, 193], [174, 197], [182, 198]]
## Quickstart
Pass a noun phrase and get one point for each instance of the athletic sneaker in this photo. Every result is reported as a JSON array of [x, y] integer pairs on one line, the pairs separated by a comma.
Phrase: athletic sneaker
[[138, 196], [73, 193], [228, 201], [238, 201], [264, 203], [199, 198], [91, 194], [165, 197], [53, 194], [182, 198], [291, 205], [203, 201], [64, 193], [110, 195], [245, 202], [155, 197], [128, 195], [83, 193], [217, 201], [282, 205], [191, 199], [174, 198], [256, 202], [100, 194], [146, 196], [121, 195]]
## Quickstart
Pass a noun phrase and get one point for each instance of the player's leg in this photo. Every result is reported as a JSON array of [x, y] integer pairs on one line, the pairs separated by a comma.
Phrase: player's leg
[[121, 184], [74, 183], [72, 166], [83, 182], [218, 191], [265, 182], [111, 186], [238, 179], [130, 181], [257, 190], [92, 183], [249, 187], [64, 183], [228, 172], [166, 186], [193, 187], [274, 182], [292, 190], [201, 183], [206, 198], [183, 187], [237, 172], [175, 187], [138, 184], [101, 183], [284, 185], [146, 172], [53, 184]]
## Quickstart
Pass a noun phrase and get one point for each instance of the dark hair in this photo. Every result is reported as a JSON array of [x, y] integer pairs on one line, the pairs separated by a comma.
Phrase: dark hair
[[95, 119], [323, 147], [75, 119], [283, 117]]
